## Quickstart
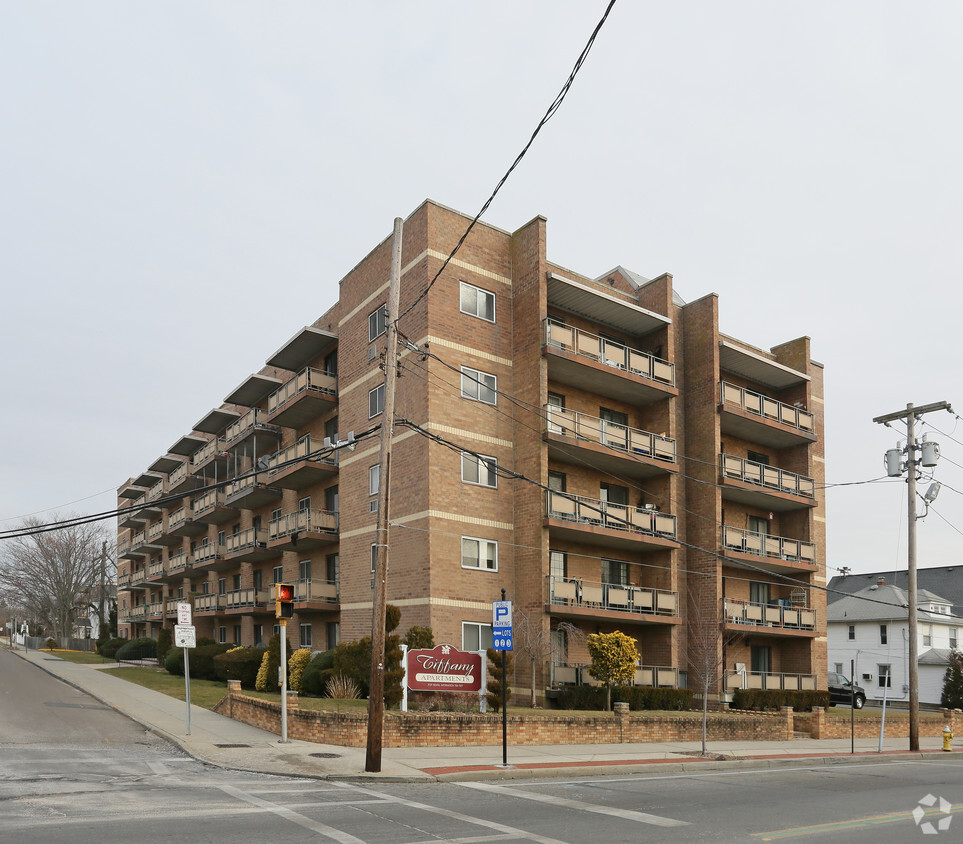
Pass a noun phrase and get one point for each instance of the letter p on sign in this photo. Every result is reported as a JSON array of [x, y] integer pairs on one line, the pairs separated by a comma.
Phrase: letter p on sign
[[501, 613]]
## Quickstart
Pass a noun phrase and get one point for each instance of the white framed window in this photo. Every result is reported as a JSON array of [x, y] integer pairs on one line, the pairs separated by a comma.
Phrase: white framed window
[[479, 554], [304, 570], [278, 572], [953, 638], [885, 676], [374, 479], [927, 631], [852, 632], [478, 386], [377, 323], [376, 401], [475, 637], [479, 470], [883, 634], [304, 631], [838, 667], [222, 635], [477, 302]]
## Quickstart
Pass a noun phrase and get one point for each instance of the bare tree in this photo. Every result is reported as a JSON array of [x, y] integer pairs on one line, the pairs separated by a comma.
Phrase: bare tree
[[48, 574], [535, 643]]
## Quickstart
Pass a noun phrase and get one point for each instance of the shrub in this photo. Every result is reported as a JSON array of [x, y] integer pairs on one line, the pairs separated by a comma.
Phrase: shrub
[[639, 698], [317, 673], [143, 648], [50, 644], [766, 700], [201, 660], [952, 695], [296, 665], [340, 687], [165, 641], [174, 662], [419, 638], [353, 659], [267, 675], [110, 647], [239, 664], [496, 682]]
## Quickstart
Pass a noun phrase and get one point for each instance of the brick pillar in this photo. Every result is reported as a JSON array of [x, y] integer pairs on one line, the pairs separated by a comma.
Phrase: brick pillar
[[292, 700], [233, 687], [818, 722], [788, 722]]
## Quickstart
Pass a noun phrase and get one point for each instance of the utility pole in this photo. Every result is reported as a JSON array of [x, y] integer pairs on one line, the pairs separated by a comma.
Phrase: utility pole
[[910, 415], [104, 615], [376, 695]]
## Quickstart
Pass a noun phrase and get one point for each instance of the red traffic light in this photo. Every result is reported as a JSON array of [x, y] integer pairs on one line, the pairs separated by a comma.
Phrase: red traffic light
[[283, 600], [284, 591]]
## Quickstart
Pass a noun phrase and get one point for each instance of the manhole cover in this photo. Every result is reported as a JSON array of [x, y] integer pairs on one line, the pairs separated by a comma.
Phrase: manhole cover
[[229, 746], [325, 755]]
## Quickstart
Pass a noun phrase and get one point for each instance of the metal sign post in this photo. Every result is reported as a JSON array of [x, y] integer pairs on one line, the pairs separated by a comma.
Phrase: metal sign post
[[284, 680], [502, 641], [185, 636]]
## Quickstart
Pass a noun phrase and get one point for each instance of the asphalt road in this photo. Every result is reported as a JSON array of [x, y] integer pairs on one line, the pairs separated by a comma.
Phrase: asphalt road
[[72, 770]]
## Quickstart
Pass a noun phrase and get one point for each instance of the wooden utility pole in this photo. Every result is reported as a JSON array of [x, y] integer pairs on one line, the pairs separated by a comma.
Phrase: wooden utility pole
[[910, 415], [376, 695], [104, 613]]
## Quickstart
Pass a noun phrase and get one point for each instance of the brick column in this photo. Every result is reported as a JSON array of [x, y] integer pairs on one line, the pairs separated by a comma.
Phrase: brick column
[[292, 700], [818, 722], [788, 722]]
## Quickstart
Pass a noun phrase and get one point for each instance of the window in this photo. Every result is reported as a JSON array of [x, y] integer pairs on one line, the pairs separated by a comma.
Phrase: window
[[557, 481], [614, 416], [478, 386], [305, 635], [276, 629], [759, 593], [614, 494], [374, 556], [927, 631], [852, 632], [478, 470], [479, 554], [222, 587], [475, 637], [558, 564], [304, 504], [276, 514], [222, 635], [236, 582], [376, 401], [477, 302], [304, 570], [760, 659], [885, 676], [374, 479], [758, 457], [377, 323], [758, 526], [556, 403], [258, 580], [258, 635], [331, 567], [279, 574], [237, 634], [953, 639], [334, 633], [559, 645], [882, 634], [331, 499], [331, 363], [615, 572], [838, 667]]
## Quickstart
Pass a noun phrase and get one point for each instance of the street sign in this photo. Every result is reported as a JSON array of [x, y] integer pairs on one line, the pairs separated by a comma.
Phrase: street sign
[[185, 636], [502, 638], [502, 625], [183, 613]]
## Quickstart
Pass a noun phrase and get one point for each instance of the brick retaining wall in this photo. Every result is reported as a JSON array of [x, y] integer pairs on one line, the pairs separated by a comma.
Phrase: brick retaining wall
[[825, 726]]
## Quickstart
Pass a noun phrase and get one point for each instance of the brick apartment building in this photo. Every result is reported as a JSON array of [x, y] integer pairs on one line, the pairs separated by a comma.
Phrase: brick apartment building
[[671, 476]]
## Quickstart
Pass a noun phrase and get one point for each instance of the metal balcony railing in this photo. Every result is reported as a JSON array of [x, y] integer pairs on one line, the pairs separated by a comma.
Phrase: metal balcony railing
[[155, 569], [766, 408], [763, 545], [213, 447], [316, 590], [179, 474], [123, 546], [558, 335], [178, 562], [158, 490], [769, 680], [300, 450], [302, 521], [138, 576], [575, 592], [241, 598], [177, 518], [254, 418], [170, 606], [611, 434], [155, 530], [155, 608], [204, 553], [249, 538], [316, 380], [123, 581], [768, 477], [138, 539], [138, 613], [593, 512], [210, 603], [577, 673], [777, 613], [212, 498]]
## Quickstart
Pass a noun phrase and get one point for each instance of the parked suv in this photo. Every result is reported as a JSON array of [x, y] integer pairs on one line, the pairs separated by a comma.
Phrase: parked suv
[[841, 691]]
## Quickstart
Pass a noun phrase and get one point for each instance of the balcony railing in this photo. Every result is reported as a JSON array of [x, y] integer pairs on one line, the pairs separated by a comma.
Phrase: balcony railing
[[316, 590], [158, 490], [763, 545], [179, 474], [138, 539], [611, 434], [593, 512], [575, 592], [661, 676], [170, 606], [123, 581], [138, 576], [155, 530], [138, 613], [155, 608], [155, 569], [767, 408], [123, 546], [213, 498], [209, 603], [315, 380], [249, 538], [300, 450], [303, 521], [768, 477], [213, 447], [178, 562], [775, 614], [591, 346], [206, 553], [240, 598], [254, 418], [769, 680]]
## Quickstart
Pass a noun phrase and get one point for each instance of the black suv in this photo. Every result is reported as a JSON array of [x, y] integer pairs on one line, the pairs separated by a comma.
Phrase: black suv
[[841, 691]]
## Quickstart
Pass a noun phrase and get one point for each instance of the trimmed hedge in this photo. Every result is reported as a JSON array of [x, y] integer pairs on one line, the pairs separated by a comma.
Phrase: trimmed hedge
[[637, 697], [201, 661], [143, 648], [314, 678], [109, 648], [239, 664], [766, 700]]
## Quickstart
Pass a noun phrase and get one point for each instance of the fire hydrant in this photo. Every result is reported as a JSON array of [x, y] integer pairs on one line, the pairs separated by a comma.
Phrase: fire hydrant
[[947, 738]]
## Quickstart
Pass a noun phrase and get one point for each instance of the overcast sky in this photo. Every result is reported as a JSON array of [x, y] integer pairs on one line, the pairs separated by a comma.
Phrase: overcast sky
[[182, 185]]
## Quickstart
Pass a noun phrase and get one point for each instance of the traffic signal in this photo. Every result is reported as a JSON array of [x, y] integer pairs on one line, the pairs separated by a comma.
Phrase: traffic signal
[[283, 600]]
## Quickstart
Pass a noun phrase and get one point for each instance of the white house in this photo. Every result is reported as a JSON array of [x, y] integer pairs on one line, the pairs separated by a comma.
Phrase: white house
[[871, 626]]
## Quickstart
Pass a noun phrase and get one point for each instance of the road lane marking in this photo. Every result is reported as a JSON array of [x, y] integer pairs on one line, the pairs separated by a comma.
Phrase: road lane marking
[[841, 826], [625, 814], [448, 813]]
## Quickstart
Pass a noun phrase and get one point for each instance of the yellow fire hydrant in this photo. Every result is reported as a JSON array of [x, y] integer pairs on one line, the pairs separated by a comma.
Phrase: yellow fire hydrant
[[947, 738]]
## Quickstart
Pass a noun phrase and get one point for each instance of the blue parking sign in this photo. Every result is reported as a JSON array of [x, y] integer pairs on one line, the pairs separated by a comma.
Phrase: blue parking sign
[[502, 638]]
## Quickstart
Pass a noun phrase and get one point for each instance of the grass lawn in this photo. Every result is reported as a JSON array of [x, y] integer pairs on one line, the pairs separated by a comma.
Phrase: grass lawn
[[82, 657]]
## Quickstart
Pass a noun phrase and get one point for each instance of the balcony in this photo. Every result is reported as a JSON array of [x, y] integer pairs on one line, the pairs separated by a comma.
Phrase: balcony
[[137, 547], [210, 557], [316, 595], [757, 418], [123, 581], [138, 613], [581, 519], [296, 467], [178, 564], [614, 449], [577, 674], [248, 494], [303, 530], [170, 605], [155, 609], [131, 519], [181, 480], [155, 571], [306, 397], [211, 456], [181, 523], [580, 599], [211, 508], [138, 578], [602, 367], [153, 506], [155, 531], [757, 680], [209, 604], [251, 424], [764, 486], [249, 546], [124, 550], [777, 618], [246, 599], [770, 553]]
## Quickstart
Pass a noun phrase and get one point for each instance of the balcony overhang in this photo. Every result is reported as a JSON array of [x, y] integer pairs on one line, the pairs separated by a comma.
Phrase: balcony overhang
[[254, 389], [166, 464], [252, 554], [304, 540], [599, 306], [755, 367], [567, 367], [583, 614], [304, 474], [624, 540], [774, 565], [217, 420], [302, 348], [254, 496], [566, 449], [216, 514], [130, 491], [756, 429], [303, 408], [147, 479], [765, 498], [760, 631], [187, 445]]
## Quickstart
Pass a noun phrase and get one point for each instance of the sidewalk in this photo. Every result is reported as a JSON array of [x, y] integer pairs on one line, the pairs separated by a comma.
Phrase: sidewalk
[[225, 743]]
